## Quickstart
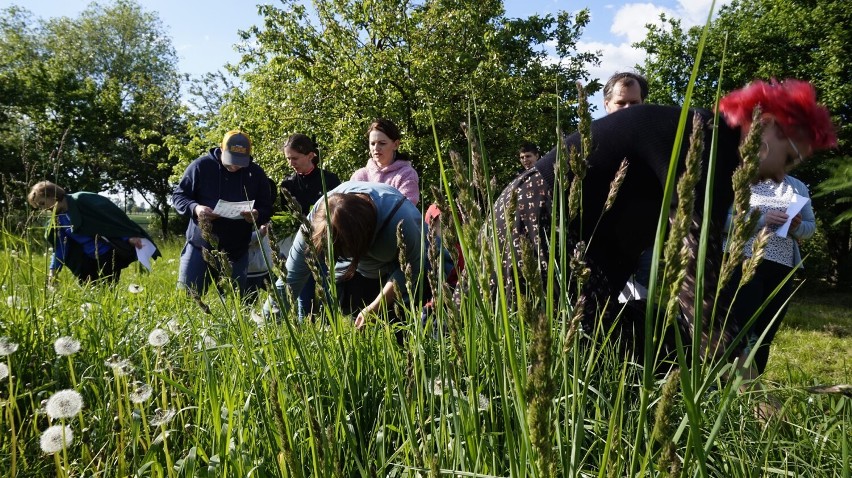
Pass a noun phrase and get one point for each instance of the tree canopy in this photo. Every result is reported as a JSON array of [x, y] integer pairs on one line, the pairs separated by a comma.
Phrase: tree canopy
[[89, 100], [328, 71]]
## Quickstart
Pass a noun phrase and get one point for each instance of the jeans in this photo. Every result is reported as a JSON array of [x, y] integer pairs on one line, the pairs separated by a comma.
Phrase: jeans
[[195, 273]]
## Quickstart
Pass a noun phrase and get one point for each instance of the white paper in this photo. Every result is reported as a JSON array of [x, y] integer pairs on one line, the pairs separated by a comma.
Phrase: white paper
[[232, 210], [145, 252], [793, 209]]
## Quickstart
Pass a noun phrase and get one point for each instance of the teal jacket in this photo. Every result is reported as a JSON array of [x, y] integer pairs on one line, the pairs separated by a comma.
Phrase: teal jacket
[[94, 215]]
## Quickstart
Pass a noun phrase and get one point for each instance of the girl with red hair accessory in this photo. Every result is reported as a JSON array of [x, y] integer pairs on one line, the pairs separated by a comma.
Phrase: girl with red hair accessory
[[794, 126]]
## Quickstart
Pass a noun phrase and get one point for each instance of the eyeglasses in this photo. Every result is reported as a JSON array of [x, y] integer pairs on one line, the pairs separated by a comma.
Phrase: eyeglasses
[[793, 161]]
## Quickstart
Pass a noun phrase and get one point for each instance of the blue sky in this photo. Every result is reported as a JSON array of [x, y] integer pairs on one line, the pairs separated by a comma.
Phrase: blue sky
[[204, 32]]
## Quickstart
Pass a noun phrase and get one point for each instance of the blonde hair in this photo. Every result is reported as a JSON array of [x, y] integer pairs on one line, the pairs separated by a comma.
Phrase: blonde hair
[[44, 190]]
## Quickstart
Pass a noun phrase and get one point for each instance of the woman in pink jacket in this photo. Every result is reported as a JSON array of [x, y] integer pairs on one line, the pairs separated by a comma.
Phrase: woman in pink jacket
[[386, 164]]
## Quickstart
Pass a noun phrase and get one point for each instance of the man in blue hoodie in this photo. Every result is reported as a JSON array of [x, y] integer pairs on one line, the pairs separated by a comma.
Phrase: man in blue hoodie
[[227, 174]]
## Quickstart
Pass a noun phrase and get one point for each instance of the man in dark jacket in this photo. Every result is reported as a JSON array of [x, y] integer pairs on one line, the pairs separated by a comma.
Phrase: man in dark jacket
[[226, 174]]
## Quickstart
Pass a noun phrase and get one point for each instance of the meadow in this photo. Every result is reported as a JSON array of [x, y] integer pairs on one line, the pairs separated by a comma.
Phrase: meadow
[[142, 380], [139, 380]]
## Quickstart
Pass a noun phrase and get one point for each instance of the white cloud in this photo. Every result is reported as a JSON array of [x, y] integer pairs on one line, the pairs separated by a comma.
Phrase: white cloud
[[630, 20]]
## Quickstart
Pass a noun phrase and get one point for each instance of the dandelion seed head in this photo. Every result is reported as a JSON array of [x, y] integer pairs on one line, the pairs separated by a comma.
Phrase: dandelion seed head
[[162, 417], [64, 404], [484, 403], [56, 438], [141, 392], [7, 347], [174, 326], [206, 342], [66, 346], [158, 338], [119, 365], [135, 288], [13, 301], [4, 371]]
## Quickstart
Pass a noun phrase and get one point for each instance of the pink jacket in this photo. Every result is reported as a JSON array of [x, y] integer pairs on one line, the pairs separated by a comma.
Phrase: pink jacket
[[398, 174]]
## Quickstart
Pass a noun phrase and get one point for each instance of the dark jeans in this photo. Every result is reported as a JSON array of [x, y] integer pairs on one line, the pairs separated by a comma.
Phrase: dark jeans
[[752, 295], [106, 267]]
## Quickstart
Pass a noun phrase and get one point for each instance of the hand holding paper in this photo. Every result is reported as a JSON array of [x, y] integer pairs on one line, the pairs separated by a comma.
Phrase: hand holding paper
[[145, 252], [233, 210], [798, 203]]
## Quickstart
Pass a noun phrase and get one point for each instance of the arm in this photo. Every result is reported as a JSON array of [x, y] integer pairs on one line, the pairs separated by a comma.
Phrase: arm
[[359, 175], [806, 227], [409, 185], [183, 196], [297, 267], [387, 296]]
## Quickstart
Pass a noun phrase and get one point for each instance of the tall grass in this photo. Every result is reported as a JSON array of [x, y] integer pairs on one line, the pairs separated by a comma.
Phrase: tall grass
[[505, 385], [230, 395]]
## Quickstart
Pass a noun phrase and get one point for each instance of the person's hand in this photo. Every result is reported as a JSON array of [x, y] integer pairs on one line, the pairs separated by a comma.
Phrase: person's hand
[[797, 220], [249, 216], [135, 242], [361, 320], [204, 213], [263, 230], [775, 218]]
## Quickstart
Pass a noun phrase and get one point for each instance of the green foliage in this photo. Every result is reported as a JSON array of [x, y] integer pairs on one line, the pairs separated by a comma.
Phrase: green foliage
[[804, 39], [328, 71], [89, 101]]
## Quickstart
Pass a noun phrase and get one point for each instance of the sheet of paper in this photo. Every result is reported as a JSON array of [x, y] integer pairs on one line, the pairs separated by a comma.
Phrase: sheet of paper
[[232, 210], [793, 209], [145, 252]]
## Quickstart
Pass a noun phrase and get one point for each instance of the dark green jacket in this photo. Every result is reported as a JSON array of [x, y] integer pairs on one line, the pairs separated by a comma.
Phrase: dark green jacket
[[94, 215]]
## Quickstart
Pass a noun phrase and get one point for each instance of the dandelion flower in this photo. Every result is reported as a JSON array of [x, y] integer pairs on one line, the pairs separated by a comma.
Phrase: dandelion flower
[[162, 417], [158, 338], [7, 347], [56, 438], [4, 371], [66, 346], [135, 289], [64, 404], [141, 393]]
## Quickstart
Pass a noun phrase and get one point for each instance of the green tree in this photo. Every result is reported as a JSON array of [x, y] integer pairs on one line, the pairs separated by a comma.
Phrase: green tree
[[99, 93], [329, 71], [761, 39]]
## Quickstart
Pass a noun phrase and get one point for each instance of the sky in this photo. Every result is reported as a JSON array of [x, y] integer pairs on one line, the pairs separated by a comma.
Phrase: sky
[[204, 32]]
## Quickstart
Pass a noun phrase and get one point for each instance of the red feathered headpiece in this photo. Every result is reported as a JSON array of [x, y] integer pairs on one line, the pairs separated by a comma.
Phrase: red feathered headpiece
[[791, 102]]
